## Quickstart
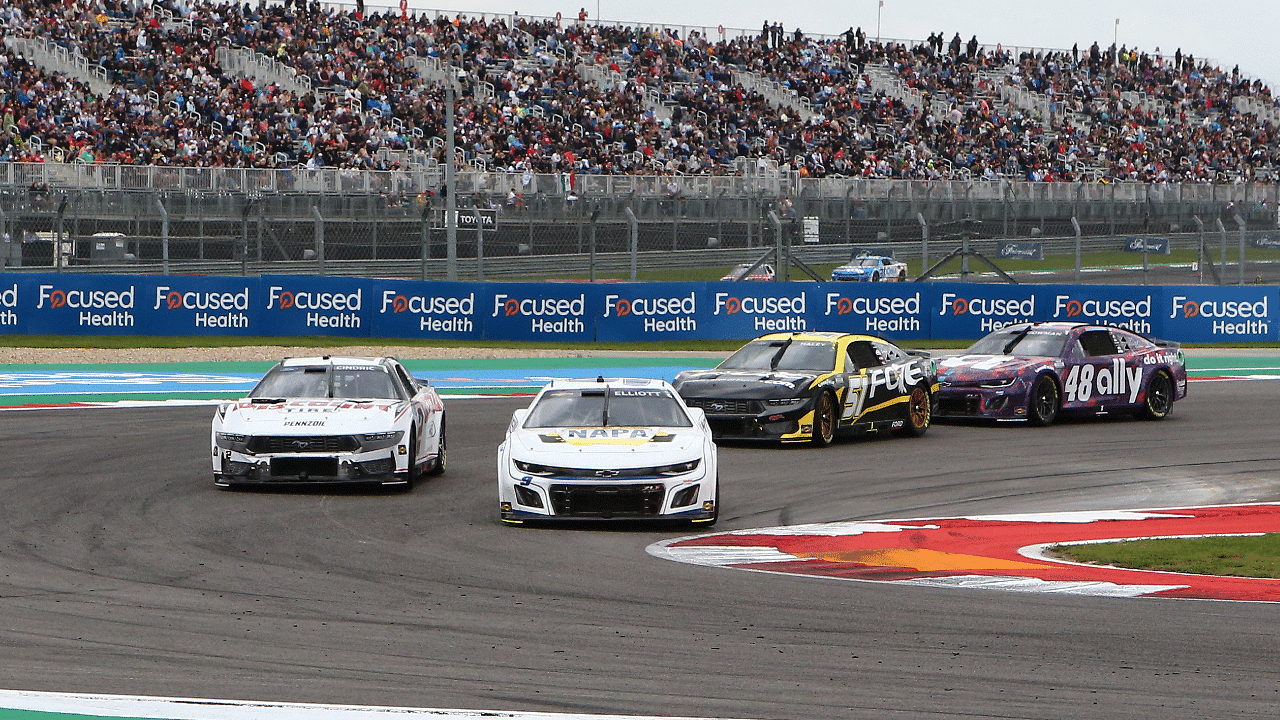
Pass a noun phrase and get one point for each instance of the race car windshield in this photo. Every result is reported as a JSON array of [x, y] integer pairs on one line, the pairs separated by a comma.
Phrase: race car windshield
[[869, 262], [1025, 342], [782, 355], [325, 381], [607, 408]]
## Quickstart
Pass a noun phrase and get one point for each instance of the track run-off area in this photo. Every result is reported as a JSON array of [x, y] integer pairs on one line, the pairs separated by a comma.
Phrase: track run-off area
[[885, 578]]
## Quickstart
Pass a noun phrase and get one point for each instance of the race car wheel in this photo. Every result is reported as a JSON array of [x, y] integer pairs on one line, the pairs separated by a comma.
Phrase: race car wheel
[[715, 514], [413, 458], [1042, 407], [1159, 402], [441, 456], [875, 277], [919, 407], [824, 420]]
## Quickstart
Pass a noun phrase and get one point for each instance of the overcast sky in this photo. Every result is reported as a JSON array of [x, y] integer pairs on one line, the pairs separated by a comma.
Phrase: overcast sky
[[1232, 32]]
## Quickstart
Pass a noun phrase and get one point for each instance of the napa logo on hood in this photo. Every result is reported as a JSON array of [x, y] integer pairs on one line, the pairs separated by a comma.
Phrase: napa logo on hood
[[606, 436]]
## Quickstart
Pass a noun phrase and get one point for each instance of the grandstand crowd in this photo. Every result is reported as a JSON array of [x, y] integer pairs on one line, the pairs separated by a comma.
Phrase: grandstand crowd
[[654, 103]]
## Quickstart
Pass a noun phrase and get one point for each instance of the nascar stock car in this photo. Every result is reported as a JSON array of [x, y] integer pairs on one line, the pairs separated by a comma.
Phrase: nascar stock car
[[624, 448], [798, 387], [331, 420], [743, 273], [1037, 371], [870, 268]]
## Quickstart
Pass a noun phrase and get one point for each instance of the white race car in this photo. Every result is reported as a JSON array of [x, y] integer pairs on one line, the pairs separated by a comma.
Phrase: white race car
[[622, 448], [331, 420]]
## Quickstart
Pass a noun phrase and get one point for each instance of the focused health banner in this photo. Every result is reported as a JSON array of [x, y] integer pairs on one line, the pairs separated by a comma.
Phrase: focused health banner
[[285, 305]]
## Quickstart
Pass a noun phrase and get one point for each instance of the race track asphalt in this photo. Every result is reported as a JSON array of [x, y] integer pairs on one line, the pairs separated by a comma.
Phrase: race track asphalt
[[123, 570]]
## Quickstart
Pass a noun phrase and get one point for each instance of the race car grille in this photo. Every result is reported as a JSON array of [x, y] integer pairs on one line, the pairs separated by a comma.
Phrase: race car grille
[[384, 466], [302, 443], [607, 500], [304, 467], [723, 407], [958, 406]]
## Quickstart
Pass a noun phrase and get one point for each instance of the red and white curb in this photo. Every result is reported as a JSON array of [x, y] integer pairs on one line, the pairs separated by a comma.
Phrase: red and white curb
[[991, 552], [124, 706]]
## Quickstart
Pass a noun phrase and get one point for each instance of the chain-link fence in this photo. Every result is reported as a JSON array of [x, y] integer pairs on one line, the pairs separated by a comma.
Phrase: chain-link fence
[[548, 225]]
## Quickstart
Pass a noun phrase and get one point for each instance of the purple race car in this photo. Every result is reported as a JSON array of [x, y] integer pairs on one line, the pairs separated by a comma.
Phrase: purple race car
[[1034, 371]]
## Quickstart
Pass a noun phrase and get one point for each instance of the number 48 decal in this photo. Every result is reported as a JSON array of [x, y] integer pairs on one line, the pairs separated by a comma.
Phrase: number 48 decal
[[1086, 381]]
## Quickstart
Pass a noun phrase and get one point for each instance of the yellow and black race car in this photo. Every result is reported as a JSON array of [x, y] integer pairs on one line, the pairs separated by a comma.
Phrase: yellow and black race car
[[809, 386]]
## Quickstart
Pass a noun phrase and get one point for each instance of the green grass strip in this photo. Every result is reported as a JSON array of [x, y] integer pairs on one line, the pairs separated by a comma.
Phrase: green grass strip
[[1243, 556]]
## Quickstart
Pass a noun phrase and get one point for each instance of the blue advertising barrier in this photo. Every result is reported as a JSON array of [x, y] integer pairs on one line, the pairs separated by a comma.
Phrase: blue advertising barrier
[[283, 305], [436, 311]]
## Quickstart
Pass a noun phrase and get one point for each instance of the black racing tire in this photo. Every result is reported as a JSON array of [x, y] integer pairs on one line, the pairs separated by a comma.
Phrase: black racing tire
[[1158, 404], [1043, 402], [412, 458], [875, 277], [442, 456], [824, 419], [919, 412], [715, 513]]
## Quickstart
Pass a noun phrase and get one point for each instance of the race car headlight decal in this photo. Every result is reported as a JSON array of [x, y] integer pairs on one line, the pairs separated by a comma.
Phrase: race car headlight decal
[[786, 402], [380, 440], [532, 468], [679, 468], [997, 382], [232, 441]]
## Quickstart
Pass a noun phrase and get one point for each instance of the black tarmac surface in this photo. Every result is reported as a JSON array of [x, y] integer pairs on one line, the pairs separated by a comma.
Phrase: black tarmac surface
[[123, 570]]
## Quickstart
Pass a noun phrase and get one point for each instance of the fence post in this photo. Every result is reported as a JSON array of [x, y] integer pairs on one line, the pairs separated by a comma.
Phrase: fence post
[[1222, 260], [426, 238], [591, 263], [924, 242], [57, 240], [479, 247], [1243, 226], [635, 240], [315, 212], [1075, 225], [778, 257], [1199, 250], [164, 234]]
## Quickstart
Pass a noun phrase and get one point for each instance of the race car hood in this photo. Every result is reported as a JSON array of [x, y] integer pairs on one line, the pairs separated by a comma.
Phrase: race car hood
[[627, 446], [310, 417], [989, 366], [746, 384]]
